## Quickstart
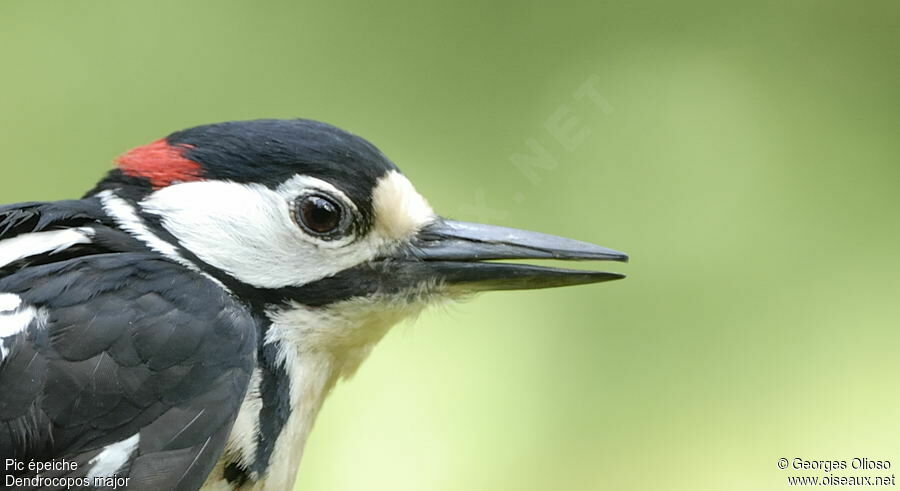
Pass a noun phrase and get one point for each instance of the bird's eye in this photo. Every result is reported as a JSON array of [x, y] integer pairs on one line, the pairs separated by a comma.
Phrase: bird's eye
[[319, 215]]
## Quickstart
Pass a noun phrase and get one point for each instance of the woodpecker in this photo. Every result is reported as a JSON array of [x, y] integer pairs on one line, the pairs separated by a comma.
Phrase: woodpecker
[[181, 324]]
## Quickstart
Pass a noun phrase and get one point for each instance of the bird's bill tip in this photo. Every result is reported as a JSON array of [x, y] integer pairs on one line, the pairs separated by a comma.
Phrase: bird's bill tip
[[456, 254]]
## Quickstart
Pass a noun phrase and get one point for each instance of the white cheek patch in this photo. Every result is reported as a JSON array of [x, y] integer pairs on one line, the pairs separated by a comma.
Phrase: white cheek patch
[[400, 211], [247, 230]]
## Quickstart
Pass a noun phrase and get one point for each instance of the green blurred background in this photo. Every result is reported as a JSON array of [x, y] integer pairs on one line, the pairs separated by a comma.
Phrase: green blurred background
[[746, 156]]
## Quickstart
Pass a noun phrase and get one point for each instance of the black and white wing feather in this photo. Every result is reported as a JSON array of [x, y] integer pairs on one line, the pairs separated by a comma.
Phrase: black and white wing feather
[[111, 356]]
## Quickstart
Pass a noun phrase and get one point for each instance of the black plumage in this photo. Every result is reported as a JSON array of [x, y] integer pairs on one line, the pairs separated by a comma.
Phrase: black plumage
[[131, 343]]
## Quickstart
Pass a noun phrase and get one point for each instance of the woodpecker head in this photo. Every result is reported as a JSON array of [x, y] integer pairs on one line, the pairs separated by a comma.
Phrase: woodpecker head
[[298, 215]]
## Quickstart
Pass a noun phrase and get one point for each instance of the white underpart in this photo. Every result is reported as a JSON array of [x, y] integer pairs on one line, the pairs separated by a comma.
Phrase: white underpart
[[126, 217], [15, 318], [247, 229], [108, 462], [33, 244], [318, 347]]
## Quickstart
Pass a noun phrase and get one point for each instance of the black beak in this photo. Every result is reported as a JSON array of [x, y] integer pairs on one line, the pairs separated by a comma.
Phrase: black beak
[[454, 252], [450, 254]]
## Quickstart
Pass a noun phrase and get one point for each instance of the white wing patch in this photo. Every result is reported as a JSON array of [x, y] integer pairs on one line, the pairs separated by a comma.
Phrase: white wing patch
[[9, 302], [113, 457], [27, 245], [15, 317]]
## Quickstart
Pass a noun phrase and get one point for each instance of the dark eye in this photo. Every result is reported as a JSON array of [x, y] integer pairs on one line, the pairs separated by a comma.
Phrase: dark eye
[[319, 215]]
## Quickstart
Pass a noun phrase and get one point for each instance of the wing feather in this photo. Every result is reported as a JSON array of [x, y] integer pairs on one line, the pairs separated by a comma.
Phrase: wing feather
[[121, 345]]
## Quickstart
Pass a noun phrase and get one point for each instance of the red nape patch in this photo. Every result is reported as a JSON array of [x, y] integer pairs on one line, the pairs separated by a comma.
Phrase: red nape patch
[[160, 163]]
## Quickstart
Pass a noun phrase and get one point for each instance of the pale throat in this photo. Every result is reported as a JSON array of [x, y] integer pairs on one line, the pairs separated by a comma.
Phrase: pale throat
[[317, 347]]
